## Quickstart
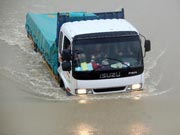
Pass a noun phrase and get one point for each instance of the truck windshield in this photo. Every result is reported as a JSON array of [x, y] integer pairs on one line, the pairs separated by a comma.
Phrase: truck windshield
[[107, 54]]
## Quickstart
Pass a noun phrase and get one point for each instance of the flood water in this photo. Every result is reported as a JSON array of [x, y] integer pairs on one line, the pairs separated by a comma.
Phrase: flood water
[[31, 102]]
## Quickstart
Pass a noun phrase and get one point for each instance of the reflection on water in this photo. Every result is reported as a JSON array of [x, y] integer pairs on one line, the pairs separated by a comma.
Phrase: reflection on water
[[137, 95], [84, 129], [83, 99], [139, 129]]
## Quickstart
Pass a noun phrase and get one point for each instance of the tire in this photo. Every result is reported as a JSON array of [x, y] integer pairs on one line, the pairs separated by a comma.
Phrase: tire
[[68, 94], [61, 83], [35, 48]]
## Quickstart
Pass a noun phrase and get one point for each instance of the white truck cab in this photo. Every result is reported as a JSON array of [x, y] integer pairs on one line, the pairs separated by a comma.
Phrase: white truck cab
[[100, 56]]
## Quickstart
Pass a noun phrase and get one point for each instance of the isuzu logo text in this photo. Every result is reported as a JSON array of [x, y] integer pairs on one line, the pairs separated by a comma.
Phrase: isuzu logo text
[[110, 75]]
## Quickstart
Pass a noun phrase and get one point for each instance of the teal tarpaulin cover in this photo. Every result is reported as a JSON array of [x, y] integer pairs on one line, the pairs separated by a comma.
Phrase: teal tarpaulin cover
[[42, 28]]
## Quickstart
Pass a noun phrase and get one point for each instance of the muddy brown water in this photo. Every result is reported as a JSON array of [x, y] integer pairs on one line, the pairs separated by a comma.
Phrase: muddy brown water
[[31, 103]]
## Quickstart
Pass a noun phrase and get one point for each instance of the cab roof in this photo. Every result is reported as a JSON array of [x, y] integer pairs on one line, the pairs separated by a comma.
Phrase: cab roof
[[71, 29]]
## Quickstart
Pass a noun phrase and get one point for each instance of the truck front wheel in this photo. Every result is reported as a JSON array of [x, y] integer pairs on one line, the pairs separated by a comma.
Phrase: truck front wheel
[[61, 83]]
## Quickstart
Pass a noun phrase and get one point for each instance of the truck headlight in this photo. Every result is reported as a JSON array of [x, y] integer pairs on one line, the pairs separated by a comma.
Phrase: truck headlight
[[136, 86], [83, 91]]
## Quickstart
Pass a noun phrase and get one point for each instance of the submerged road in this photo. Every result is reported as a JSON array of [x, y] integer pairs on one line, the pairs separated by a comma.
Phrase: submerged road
[[31, 103]]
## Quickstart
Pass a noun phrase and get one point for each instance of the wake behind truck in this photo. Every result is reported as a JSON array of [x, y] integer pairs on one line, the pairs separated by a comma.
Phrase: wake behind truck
[[90, 53]]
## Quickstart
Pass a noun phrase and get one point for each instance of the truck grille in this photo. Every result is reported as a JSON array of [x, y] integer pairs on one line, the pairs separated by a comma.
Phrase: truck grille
[[109, 89]]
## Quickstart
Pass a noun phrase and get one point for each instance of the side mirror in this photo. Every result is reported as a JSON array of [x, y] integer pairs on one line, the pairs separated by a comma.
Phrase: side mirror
[[147, 45], [66, 65], [66, 54]]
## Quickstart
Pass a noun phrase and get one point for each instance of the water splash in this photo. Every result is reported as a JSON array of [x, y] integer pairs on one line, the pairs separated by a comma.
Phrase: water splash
[[151, 63], [46, 90], [40, 83]]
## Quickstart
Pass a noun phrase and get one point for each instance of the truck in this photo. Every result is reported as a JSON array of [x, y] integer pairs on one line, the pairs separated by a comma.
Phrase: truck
[[90, 53]]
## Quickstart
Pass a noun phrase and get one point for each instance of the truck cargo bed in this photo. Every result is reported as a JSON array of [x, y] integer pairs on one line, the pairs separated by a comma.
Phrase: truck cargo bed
[[42, 28]]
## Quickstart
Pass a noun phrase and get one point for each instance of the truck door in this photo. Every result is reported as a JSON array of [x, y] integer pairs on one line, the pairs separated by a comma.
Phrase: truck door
[[66, 76]]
